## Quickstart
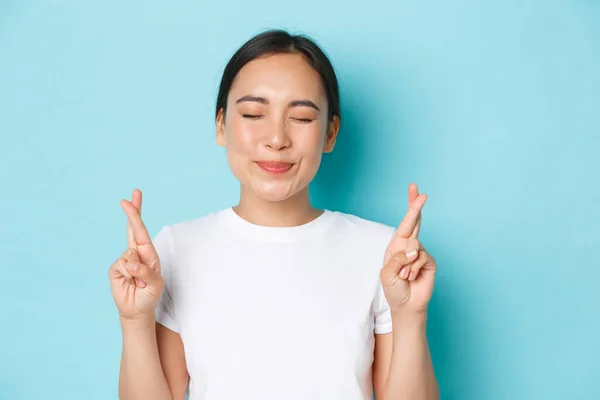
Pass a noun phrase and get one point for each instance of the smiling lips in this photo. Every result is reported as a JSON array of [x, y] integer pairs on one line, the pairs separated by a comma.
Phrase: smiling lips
[[275, 167]]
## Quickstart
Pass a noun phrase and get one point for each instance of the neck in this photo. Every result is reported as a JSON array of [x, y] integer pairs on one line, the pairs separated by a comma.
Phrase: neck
[[294, 211]]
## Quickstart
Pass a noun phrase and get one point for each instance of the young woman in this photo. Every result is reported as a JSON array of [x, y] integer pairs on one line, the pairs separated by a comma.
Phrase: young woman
[[272, 298]]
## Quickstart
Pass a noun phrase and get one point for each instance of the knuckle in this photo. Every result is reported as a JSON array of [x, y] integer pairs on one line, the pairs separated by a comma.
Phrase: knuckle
[[119, 262], [155, 264], [399, 257], [117, 266], [127, 254], [146, 272], [422, 261], [142, 269], [415, 244]]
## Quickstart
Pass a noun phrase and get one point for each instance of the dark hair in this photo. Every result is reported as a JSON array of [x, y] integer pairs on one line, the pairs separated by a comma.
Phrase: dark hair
[[278, 41]]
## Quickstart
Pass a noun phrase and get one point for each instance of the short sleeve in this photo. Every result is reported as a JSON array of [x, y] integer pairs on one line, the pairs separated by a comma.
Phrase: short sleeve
[[165, 311], [383, 315]]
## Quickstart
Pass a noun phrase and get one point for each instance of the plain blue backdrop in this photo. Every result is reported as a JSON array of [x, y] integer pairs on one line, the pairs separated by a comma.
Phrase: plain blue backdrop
[[491, 107]]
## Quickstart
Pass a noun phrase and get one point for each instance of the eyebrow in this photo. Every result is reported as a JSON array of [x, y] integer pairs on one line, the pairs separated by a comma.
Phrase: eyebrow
[[293, 103]]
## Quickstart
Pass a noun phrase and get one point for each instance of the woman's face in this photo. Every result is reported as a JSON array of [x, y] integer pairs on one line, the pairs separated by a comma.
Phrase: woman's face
[[276, 127]]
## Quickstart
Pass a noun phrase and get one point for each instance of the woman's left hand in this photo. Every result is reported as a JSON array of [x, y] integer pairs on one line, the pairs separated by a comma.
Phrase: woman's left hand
[[408, 282]]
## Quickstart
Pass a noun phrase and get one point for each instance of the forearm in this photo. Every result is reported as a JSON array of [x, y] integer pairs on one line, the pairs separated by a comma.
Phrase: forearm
[[411, 374], [141, 374]]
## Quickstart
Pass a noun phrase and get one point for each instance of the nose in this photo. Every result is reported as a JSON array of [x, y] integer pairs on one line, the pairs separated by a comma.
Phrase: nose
[[277, 136]]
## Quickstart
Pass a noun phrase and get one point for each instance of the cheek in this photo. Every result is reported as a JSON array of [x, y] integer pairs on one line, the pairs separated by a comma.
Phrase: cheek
[[241, 137], [310, 144], [311, 141]]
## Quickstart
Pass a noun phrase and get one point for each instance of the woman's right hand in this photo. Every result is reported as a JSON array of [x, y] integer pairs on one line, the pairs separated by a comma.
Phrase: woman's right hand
[[135, 279]]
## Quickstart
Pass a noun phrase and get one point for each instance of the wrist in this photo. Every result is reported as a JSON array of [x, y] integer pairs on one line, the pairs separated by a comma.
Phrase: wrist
[[139, 322], [409, 319]]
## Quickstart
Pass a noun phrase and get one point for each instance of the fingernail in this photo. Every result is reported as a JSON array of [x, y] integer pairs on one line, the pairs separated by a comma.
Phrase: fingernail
[[403, 273], [410, 276], [132, 267], [410, 253]]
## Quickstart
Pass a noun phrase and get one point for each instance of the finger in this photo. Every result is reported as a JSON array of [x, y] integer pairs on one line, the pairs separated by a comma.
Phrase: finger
[[424, 262], [412, 244], [408, 226], [413, 269], [392, 268], [413, 192], [415, 233], [140, 233], [141, 238], [118, 270], [136, 200], [152, 279], [130, 238], [131, 255]]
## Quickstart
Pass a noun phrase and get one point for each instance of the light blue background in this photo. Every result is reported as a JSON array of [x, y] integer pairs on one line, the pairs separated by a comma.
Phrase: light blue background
[[491, 107]]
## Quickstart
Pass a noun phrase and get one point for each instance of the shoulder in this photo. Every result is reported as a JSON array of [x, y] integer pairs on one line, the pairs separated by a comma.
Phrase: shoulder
[[190, 229], [364, 225], [363, 230]]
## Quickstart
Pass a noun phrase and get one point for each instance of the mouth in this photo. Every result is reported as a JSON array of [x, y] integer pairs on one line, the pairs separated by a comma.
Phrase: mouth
[[275, 167]]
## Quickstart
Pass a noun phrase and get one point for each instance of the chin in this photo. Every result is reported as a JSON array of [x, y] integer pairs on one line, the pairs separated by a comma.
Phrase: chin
[[274, 191], [273, 196]]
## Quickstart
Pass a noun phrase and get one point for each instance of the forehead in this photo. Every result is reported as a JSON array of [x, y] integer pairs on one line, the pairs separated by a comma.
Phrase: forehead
[[279, 75]]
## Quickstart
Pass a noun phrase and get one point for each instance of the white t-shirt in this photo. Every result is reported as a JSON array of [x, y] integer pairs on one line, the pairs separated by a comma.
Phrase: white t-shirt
[[272, 313]]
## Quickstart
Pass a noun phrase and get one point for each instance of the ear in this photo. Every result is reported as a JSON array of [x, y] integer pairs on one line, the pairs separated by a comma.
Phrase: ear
[[333, 128], [221, 137]]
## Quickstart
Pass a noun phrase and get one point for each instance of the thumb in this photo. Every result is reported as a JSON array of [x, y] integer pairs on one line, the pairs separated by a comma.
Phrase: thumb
[[397, 261], [154, 281]]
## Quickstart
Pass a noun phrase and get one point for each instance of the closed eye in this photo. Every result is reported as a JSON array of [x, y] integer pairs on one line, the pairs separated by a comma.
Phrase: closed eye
[[303, 120], [251, 116]]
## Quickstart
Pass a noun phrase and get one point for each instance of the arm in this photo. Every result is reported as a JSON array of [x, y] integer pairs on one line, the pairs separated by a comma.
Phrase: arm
[[407, 279], [152, 363], [402, 368]]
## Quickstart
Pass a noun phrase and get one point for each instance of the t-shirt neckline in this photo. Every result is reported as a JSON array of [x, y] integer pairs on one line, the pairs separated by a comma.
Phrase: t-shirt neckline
[[275, 233]]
